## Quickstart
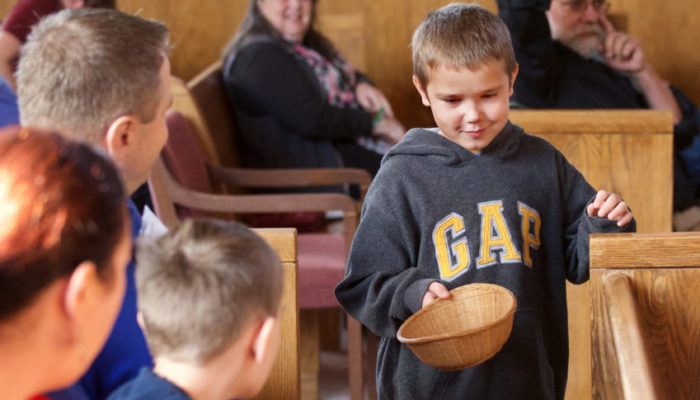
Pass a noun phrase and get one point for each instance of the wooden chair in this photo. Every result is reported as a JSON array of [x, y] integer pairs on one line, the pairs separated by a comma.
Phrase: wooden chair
[[646, 315], [315, 249], [629, 152]]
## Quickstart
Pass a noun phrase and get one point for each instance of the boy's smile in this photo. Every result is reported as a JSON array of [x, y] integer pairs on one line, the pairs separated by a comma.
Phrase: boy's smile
[[469, 107]]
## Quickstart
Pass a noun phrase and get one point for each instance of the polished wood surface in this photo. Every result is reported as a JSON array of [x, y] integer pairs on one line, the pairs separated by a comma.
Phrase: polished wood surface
[[633, 363], [614, 150], [667, 301], [284, 381], [626, 152], [661, 250]]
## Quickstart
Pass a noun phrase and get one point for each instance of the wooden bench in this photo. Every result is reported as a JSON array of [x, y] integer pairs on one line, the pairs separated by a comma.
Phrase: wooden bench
[[284, 381], [646, 316], [629, 152]]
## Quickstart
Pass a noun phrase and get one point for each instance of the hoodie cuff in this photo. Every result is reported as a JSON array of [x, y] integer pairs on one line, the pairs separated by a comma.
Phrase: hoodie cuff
[[413, 295]]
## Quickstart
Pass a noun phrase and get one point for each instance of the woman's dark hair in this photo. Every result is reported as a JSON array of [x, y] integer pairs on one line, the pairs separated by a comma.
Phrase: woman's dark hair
[[255, 24], [61, 203]]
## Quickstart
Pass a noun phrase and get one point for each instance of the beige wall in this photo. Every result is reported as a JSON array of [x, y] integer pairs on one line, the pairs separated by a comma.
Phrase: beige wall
[[375, 34]]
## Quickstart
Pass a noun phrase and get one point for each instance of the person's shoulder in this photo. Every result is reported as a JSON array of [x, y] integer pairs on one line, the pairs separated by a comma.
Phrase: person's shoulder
[[261, 45], [148, 385]]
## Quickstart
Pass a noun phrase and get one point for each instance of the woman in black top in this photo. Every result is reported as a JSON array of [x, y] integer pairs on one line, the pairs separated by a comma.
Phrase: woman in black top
[[297, 102]]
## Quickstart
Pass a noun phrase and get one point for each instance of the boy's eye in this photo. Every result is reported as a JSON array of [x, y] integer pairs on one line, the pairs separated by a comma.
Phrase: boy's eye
[[450, 100], [489, 95]]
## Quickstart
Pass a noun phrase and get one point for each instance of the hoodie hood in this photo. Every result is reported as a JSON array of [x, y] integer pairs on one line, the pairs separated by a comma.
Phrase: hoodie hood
[[427, 142]]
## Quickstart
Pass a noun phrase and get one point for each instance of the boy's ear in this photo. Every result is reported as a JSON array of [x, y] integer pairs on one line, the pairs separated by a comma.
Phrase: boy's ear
[[421, 90], [512, 78], [263, 342], [120, 137]]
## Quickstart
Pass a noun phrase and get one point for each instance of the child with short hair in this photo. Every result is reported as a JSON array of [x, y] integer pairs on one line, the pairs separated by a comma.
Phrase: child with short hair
[[208, 297], [474, 200]]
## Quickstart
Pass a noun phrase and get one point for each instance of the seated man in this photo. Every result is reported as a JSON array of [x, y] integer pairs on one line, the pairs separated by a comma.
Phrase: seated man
[[103, 77], [209, 298], [571, 56]]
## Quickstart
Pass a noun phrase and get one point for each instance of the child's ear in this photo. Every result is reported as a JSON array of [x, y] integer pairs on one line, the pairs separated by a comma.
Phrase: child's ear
[[421, 90], [263, 340], [512, 78]]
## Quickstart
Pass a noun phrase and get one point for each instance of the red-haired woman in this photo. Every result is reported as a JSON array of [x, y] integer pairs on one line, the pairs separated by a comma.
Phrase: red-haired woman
[[64, 245]]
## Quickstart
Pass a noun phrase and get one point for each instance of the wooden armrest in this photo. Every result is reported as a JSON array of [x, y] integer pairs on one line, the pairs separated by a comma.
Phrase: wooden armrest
[[633, 363], [282, 177], [260, 203]]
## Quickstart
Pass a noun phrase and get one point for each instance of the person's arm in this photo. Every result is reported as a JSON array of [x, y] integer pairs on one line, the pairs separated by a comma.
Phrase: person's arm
[[534, 50], [9, 50], [268, 80], [624, 53], [382, 286], [587, 212]]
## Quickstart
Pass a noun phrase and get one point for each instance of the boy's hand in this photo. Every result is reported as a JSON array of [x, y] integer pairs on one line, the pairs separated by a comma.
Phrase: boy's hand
[[611, 206], [436, 290]]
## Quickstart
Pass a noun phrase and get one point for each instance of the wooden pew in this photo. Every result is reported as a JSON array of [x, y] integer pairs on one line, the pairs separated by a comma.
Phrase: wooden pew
[[646, 315], [628, 152], [284, 381]]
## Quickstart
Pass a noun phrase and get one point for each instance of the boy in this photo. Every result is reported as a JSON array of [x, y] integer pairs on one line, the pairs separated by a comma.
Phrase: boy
[[103, 77], [209, 295], [475, 200]]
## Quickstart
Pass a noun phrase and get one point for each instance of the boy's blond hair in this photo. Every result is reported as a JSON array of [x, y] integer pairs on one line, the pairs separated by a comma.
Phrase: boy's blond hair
[[460, 35], [201, 284]]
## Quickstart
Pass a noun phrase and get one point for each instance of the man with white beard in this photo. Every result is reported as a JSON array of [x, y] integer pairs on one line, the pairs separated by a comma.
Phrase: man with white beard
[[571, 56]]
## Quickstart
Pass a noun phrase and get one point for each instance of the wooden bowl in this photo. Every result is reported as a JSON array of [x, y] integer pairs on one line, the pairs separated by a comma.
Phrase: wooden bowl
[[465, 330]]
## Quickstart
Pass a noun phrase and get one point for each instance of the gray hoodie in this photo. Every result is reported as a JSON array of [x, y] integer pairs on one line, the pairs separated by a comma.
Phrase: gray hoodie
[[513, 216]]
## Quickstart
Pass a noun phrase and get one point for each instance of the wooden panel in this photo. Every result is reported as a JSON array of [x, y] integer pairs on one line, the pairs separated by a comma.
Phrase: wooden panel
[[614, 150], [661, 250], [668, 305], [284, 381]]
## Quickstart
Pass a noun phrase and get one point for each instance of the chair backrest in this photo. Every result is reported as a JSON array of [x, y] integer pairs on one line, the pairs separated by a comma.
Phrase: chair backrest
[[184, 160], [184, 103], [208, 92]]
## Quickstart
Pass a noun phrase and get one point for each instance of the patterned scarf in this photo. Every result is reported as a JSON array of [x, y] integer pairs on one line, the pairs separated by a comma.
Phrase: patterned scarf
[[337, 77]]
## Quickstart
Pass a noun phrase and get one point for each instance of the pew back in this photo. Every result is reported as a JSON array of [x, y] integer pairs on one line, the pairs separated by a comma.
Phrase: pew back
[[629, 152], [663, 273], [284, 381]]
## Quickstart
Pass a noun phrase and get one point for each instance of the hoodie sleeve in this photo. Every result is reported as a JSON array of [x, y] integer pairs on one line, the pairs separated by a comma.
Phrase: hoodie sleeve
[[576, 195], [382, 284]]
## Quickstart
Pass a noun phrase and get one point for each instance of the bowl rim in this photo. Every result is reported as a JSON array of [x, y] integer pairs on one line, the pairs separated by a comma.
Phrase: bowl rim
[[444, 336]]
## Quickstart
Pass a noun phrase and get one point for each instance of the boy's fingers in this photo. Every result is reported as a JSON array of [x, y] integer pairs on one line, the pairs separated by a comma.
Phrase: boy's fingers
[[600, 198], [625, 220], [439, 290]]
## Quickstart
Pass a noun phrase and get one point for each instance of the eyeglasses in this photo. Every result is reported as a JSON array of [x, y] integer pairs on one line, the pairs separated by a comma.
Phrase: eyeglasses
[[578, 6]]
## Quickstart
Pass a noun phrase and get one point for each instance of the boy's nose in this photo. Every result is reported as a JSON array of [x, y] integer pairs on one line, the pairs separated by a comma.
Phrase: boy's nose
[[471, 113]]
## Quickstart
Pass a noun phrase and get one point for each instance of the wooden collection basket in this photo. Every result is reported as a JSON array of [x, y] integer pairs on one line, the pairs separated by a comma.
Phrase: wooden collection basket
[[465, 330]]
